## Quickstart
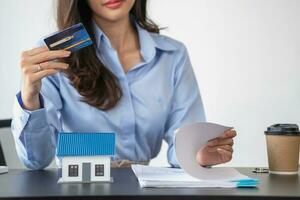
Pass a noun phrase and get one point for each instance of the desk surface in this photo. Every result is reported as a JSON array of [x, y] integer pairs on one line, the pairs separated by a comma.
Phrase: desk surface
[[43, 184]]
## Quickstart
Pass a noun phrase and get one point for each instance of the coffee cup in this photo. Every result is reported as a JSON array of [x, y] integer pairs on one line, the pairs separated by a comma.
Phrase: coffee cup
[[283, 142]]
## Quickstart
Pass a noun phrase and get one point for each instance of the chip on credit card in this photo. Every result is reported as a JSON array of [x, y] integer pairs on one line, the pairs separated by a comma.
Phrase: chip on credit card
[[71, 39]]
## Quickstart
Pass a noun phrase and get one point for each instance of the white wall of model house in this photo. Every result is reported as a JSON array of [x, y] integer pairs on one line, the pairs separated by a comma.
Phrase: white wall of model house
[[79, 160]]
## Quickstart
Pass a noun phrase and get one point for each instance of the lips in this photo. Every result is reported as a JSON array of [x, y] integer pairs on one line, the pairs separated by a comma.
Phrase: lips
[[113, 4]]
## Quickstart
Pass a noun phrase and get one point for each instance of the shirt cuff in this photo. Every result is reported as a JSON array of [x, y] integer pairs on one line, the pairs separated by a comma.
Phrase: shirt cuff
[[21, 117], [20, 101]]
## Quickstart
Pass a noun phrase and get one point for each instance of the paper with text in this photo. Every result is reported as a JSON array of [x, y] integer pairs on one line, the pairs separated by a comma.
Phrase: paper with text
[[173, 177]]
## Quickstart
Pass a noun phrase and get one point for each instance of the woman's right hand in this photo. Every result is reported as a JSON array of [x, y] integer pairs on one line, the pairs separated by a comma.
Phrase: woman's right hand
[[36, 64]]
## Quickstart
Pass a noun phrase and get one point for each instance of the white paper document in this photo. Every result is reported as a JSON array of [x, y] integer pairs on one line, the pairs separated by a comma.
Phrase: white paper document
[[188, 140], [174, 177]]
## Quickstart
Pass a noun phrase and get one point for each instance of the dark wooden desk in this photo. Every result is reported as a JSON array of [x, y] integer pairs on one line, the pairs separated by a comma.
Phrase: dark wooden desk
[[21, 184]]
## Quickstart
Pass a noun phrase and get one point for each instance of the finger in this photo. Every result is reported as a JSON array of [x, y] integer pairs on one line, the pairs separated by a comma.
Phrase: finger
[[220, 141], [224, 147], [49, 55], [229, 134], [26, 55], [53, 65], [35, 51], [39, 75], [44, 66], [226, 153]]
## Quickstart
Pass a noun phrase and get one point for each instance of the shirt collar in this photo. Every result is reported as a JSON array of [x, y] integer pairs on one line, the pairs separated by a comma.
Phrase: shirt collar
[[149, 42], [99, 35]]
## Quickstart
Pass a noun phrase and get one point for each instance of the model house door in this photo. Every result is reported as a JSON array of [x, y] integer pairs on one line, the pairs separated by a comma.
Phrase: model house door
[[86, 172]]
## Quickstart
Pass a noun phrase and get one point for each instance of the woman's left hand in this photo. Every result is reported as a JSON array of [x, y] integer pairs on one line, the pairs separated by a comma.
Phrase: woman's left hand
[[218, 150]]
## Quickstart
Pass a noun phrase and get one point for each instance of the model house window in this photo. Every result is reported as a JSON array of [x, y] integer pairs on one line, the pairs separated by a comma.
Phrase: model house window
[[73, 170], [99, 170]]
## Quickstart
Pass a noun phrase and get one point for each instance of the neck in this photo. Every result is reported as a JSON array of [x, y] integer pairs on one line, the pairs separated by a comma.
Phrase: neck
[[121, 34]]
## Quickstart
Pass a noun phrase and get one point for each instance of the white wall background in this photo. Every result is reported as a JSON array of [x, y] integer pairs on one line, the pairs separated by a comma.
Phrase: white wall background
[[245, 53], [23, 23]]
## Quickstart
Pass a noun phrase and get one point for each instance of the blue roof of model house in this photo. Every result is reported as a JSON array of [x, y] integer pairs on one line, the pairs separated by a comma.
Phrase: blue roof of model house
[[85, 144]]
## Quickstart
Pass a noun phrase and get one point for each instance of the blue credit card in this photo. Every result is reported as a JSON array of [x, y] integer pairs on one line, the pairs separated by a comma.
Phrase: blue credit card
[[71, 39]]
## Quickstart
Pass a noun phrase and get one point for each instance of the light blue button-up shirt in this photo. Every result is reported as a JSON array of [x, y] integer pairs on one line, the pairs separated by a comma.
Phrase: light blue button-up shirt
[[160, 94]]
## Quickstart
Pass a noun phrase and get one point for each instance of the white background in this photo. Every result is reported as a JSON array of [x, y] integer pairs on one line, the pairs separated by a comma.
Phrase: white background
[[245, 54]]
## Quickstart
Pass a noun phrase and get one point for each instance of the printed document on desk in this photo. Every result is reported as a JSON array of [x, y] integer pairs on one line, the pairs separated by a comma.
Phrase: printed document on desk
[[175, 177]]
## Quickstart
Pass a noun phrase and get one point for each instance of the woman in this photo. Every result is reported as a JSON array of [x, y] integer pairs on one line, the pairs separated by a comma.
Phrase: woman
[[133, 82]]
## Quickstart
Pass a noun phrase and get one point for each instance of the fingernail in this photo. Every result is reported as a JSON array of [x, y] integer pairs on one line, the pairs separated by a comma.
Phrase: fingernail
[[67, 53]]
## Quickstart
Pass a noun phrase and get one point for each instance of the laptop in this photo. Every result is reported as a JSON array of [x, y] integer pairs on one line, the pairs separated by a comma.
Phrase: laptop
[[3, 166]]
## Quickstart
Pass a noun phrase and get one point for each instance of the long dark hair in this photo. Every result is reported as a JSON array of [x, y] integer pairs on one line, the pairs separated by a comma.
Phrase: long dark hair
[[97, 85]]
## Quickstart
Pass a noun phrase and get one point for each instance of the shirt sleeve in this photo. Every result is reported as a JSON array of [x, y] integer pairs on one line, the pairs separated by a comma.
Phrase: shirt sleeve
[[35, 132], [187, 106]]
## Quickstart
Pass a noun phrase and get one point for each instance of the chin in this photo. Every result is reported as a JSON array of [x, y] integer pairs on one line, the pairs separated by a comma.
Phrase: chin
[[114, 16]]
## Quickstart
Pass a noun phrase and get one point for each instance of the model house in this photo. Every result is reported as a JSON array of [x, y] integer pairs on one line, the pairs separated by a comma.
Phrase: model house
[[85, 157]]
